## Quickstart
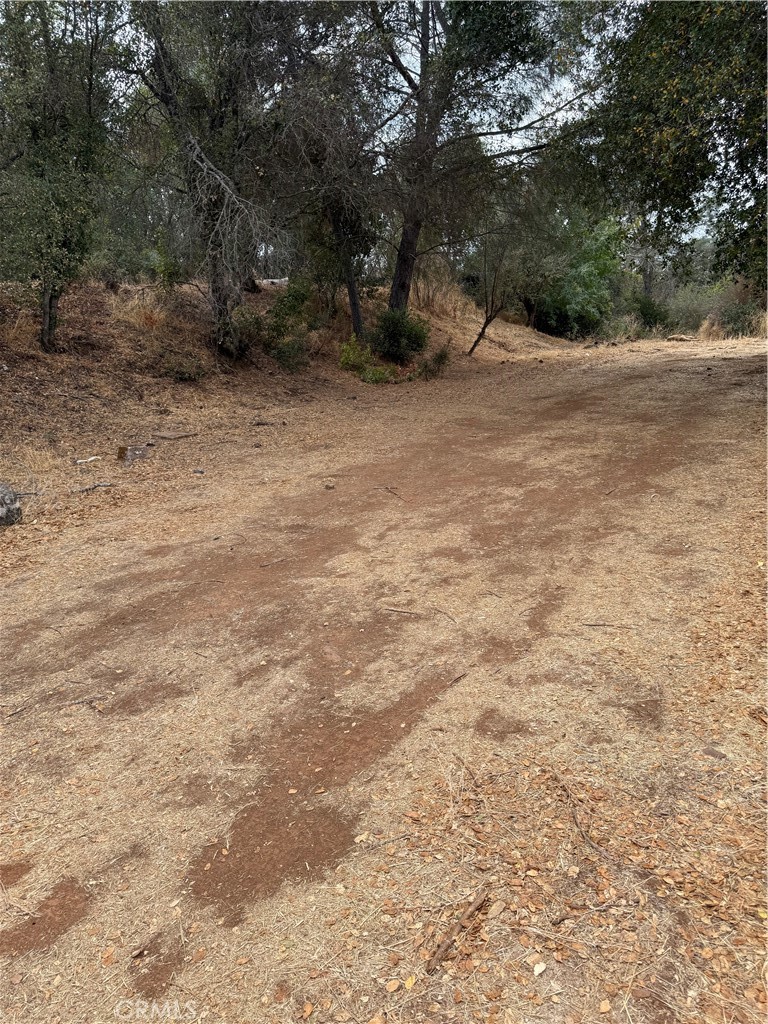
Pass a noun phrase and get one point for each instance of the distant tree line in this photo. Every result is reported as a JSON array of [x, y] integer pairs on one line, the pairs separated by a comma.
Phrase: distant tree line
[[562, 158]]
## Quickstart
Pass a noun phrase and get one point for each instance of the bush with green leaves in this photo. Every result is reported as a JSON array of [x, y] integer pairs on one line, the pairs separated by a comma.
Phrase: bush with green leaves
[[739, 318], [250, 327], [649, 311], [292, 351], [282, 331], [582, 299], [288, 310], [354, 356], [399, 336], [377, 375]]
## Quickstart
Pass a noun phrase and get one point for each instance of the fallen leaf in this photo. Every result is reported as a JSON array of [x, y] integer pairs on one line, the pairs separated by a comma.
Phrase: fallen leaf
[[495, 909], [538, 969], [393, 985], [410, 982], [198, 955], [108, 956], [605, 1006], [308, 1008]]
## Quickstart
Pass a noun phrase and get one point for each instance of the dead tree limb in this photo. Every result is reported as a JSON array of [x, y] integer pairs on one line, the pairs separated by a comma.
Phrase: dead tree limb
[[464, 921]]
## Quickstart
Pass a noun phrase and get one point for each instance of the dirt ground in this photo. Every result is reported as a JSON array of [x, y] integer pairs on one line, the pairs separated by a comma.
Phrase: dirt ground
[[295, 693]]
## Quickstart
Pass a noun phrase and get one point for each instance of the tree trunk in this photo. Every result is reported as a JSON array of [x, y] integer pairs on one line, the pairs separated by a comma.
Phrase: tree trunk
[[49, 305], [486, 324], [348, 269], [405, 265], [221, 294], [354, 301]]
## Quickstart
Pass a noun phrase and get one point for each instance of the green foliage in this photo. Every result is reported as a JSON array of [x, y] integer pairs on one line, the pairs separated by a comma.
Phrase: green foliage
[[649, 311], [578, 302], [354, 356], [377, 375], [621, 327], [739, 318], [360, 360], [682, 122], [166, 267], [288, 311], [250, 327], [282, 331], [54, 141], [292, 351], [399, 336]]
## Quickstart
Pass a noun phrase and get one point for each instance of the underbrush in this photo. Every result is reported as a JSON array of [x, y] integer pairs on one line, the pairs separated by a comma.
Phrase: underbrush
[[360, 359]]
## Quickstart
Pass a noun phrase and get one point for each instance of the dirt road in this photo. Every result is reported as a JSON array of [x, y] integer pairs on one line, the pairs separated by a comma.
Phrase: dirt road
[[268, 734]]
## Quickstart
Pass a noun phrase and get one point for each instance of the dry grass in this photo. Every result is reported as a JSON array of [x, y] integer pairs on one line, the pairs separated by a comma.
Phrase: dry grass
[[436, 292]]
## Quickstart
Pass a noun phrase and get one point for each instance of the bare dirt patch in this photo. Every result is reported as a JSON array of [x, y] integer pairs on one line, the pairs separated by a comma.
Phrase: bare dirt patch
[[277, 725]]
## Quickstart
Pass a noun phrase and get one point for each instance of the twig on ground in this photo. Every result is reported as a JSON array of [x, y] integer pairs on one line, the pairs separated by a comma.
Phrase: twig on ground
[[87, 700], [264, 565], [391, 491], [92, 487], [445, 946], [400, 611], [612, 625]]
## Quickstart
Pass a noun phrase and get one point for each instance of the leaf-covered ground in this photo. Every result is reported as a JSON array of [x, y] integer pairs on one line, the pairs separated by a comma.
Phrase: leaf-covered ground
[[492, 642]]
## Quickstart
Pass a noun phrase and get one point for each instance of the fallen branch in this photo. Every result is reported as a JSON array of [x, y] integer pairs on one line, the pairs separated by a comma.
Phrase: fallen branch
[[93, 487], [86, 700], [612, 625], [464, 921], [391, 491]]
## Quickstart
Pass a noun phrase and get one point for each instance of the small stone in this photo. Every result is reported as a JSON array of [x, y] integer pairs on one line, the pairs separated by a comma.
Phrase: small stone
[[10, 506], [330, 487]]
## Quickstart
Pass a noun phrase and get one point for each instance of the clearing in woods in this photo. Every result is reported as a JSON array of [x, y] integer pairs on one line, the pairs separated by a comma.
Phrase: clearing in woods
[[491, 642]]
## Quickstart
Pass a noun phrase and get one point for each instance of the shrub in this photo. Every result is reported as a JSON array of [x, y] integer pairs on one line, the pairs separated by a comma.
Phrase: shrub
[[377, 375], [287, 309], [250, 327], [399, 336], [738, 318], [354, 356], [291, 352], [282, 331], [650, 312]]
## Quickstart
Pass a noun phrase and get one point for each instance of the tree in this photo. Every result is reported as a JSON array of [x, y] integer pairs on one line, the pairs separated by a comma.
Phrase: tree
[[680, 130], [58, 98], [457, 72], [213, 68]]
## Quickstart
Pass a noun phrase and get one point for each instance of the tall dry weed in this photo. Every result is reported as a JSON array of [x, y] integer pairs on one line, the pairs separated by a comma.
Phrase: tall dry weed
[[145, 309], [435, 290]]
